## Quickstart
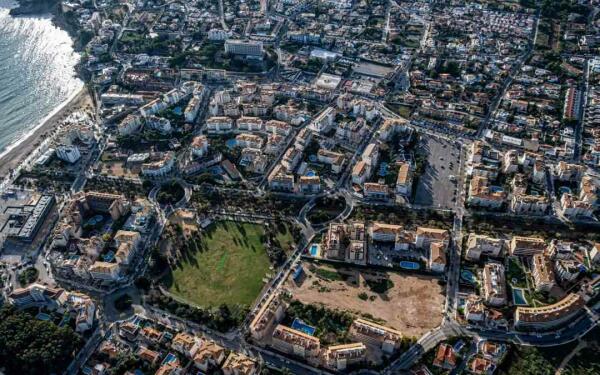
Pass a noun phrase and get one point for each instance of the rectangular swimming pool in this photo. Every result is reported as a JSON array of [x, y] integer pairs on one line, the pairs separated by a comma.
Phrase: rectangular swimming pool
[[410, 265], [299, 325], [314, 250], [519, 297]]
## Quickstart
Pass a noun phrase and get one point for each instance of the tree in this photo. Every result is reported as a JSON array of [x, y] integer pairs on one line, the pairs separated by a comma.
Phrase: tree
[[143, 283], [123, 302], [29, 346], [28, 276]]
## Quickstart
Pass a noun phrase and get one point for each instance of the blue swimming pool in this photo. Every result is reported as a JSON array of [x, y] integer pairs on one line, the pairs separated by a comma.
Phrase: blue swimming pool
[[564, 189], [314, 250], [310, 173], [231, 143], [169, 358], [410, 265], [519, 297], [43, 316], [383, 169], [299, 325], [468, 276], [95, 220], [108, 257]]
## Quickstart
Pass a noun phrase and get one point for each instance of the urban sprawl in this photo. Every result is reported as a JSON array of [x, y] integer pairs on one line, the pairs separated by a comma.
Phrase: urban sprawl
[[315, 187]]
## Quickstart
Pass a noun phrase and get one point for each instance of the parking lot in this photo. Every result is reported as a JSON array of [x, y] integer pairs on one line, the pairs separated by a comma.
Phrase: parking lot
[[436, 187]]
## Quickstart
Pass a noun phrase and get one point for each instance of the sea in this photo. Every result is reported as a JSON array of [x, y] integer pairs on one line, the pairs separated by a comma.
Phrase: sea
[[37, 73]]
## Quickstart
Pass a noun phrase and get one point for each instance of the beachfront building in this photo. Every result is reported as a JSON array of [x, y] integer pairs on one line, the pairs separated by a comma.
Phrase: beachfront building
[[240, 364], [382, 232], [494, 284], [246, 48], [404, 181], [543, 273], [526, 246], [208, 356], [185, 344], [376, 191], [79, 306], [345, 242], [437, 257], [478, 245], [161, 165], [291, 341], [83, 205], [370, 333], [361, 172], [550, 316], [270, 314], [339, 357], [426, 236], [70, 154], [26, 220], [199, 146], [219, 125]]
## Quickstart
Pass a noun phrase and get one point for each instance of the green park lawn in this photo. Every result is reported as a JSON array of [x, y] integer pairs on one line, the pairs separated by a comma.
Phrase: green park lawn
[[228, 269], [284, 238]]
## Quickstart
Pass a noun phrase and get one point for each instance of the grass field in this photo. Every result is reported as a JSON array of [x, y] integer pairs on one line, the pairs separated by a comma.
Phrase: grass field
[[284, 238], [228, 269]]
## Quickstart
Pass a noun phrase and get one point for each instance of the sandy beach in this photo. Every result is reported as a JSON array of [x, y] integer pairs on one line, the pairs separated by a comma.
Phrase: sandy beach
[[25, 146]]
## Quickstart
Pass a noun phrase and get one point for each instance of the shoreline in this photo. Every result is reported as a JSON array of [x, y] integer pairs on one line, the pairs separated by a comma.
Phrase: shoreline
[[29, 142], [16, 153]]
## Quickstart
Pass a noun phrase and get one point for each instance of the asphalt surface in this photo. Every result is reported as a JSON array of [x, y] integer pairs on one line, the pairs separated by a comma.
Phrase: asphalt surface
[[434, 187]]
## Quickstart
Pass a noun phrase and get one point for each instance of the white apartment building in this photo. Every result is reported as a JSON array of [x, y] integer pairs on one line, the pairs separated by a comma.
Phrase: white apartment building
[[69, 154], [246, 48], [494, 284]]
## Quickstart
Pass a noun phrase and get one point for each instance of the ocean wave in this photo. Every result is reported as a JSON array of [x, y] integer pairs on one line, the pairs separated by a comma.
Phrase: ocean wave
[[37, 72]]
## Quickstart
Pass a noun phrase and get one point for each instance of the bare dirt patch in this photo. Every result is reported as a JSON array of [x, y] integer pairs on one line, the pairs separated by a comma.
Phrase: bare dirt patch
[[411, 304]]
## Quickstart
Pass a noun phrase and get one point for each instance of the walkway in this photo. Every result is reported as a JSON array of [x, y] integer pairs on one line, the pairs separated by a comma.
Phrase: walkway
[[565, 361]]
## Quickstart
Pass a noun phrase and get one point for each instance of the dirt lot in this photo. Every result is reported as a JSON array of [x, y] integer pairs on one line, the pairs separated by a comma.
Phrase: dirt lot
[[412, 304]]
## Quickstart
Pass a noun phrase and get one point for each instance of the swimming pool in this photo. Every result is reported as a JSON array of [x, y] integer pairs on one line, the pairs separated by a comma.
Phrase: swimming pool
[[95, 220], [65, 320], [231, 143], [314, 250], [468, 276], [410, 265], [299, 325], [519, 297], [43, 316], [108, 257], [383, 169], [564, 189], [310, 173], [169, 358]]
